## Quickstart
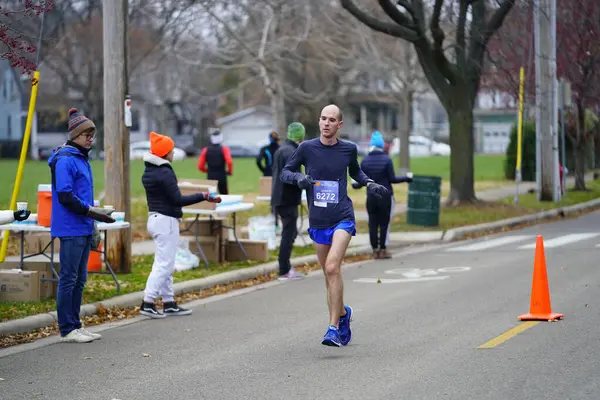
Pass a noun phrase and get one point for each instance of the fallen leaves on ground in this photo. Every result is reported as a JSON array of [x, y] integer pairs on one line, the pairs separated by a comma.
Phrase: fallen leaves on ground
[[115, 314]]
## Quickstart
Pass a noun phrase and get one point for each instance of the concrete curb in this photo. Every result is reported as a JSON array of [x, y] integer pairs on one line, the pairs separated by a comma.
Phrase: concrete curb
[[460, 233], [39, 321]]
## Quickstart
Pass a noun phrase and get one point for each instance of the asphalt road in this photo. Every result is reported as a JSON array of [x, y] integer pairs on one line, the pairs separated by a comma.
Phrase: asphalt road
[[416, 338]]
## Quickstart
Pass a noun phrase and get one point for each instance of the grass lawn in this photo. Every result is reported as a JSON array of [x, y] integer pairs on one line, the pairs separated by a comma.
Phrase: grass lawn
[[493, 211], [245, 178]]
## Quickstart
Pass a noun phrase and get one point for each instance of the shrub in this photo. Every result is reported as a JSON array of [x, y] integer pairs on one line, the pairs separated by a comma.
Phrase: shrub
[[528, 153]]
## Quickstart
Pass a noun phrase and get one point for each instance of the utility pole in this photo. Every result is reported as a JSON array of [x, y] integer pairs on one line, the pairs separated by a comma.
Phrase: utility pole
[[545, 154], [116, 135]]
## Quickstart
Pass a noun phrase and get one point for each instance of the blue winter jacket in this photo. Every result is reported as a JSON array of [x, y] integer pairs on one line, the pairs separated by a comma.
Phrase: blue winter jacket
[[72, 192]]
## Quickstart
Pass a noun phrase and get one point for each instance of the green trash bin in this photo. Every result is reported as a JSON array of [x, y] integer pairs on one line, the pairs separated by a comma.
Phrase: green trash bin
[[423, 208]]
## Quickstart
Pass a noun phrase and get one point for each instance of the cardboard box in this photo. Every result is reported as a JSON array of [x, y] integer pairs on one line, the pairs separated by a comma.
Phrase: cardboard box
[[256, 250], [206, 182], [47, 288], [35, 242], [17, 285], [187, 189], [265, 185], [205, 227], [211, 246]]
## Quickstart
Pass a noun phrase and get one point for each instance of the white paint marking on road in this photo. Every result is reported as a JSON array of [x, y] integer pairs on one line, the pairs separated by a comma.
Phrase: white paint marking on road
[[562, 240], [403, 280], [486, 244]]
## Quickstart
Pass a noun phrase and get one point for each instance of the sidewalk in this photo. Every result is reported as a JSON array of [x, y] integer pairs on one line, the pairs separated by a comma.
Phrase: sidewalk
[[486, 195]]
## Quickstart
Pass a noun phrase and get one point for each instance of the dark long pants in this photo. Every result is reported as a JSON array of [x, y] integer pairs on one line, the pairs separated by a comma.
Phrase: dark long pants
[[379, 220], [289, 232]]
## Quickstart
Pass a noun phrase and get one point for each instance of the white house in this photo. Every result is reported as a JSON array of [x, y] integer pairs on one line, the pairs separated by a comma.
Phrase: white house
[[251, 125]]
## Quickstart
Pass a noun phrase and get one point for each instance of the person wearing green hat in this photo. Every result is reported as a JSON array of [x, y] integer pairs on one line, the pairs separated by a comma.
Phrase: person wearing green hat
[[285, 200]]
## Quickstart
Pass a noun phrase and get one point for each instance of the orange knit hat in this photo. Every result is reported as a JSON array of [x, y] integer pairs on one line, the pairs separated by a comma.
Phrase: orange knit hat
[[160, 145]]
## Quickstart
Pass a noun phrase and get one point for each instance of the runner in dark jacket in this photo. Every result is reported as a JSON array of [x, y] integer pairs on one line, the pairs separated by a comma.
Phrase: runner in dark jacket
[[285, 199], [266, 153]]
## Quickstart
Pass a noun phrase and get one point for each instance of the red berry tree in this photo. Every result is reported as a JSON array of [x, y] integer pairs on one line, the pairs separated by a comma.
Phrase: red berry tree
[[16, 46]]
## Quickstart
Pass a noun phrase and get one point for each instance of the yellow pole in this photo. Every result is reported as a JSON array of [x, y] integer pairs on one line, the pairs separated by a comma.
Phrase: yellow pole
[[24, 146], [520, 122]]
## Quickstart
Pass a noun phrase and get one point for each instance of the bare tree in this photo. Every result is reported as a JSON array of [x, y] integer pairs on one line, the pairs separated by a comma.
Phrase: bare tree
[[75, 58], [298, 53], [455, 78]]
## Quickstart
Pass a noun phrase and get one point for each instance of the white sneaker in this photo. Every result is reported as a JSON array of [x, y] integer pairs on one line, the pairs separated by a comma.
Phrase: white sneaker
[[75, 336], [291, 275], [94, 336]]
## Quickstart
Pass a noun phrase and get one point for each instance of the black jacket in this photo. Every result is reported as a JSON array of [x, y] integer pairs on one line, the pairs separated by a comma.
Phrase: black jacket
[[379, 167], [283, 194], [267, 153], [162, 193]]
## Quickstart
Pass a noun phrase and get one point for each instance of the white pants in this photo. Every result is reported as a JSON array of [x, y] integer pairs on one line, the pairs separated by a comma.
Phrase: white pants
[[165, 233], [387, 238]]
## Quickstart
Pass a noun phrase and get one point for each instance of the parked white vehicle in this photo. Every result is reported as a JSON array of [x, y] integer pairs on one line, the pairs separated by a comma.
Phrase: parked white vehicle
[[137, 150], [421, 146]]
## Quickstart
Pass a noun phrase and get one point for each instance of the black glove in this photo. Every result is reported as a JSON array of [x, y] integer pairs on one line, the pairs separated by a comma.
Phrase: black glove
[[305, 182], [21, 215], [377, 189], [100, 215], [356, 185]]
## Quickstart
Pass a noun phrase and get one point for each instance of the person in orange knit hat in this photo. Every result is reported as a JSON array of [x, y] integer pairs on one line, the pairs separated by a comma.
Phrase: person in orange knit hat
[[164, 211]]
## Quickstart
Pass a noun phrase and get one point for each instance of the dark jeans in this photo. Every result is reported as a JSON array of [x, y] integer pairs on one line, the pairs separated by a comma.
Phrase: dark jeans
[[289, 232], [222, 186], [379, 219], [74, 254]]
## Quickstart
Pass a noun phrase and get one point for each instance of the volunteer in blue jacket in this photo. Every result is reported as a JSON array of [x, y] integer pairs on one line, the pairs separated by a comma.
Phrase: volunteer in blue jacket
[[327, 161], [164, 206], [72, 222], [379, 167]]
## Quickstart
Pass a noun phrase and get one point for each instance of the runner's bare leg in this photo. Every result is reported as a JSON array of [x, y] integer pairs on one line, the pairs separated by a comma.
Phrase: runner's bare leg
[[333, 256]]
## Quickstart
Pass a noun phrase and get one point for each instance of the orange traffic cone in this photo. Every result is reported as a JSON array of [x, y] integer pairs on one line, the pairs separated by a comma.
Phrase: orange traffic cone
[[540, 308]]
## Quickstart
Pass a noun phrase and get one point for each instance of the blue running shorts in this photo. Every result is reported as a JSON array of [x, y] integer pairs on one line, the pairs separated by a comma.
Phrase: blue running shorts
[[325, 236]]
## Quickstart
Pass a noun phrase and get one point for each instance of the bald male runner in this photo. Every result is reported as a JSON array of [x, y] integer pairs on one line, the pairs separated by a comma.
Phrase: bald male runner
[[327, 161]]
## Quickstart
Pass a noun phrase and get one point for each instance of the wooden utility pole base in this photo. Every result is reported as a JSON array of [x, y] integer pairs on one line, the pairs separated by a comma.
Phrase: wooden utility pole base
[[116, 134]]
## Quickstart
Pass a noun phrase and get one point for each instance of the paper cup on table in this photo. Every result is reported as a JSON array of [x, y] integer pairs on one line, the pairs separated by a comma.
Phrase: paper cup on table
[[22, 205], [118, 216]]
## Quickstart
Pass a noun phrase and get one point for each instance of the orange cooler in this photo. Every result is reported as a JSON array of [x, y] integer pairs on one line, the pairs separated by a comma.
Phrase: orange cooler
[[44, 206], [95, 260]]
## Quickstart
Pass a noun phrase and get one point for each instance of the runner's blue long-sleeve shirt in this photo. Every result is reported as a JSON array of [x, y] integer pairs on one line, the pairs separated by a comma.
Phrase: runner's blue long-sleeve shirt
[[328, 201]]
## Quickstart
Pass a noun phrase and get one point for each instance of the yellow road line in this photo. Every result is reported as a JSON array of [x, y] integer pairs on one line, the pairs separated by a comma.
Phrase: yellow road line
[[508, 334]]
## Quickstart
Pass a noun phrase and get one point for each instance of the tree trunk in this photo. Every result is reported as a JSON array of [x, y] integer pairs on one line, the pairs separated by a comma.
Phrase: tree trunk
[[580, 160], [579, 149], [278, 109], [407, 123], [462, 188]]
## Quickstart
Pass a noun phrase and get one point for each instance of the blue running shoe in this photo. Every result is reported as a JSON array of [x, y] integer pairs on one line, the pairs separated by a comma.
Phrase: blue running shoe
[[332, 337], [345, 332]]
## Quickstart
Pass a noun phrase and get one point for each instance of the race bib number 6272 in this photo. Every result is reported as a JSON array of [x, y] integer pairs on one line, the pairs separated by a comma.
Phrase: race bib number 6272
[[326, 192]]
